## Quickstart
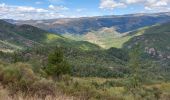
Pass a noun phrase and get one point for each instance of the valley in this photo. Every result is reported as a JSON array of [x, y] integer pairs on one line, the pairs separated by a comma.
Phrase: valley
[[123, 57]]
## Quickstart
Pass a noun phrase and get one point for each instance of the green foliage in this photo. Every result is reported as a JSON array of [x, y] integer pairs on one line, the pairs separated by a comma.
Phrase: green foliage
[[135, 59], [56, 64], [119, 53], [56, 57], [100, 63]]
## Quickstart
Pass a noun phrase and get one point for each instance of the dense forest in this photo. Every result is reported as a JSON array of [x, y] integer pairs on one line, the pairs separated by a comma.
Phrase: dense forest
[[113, 74]]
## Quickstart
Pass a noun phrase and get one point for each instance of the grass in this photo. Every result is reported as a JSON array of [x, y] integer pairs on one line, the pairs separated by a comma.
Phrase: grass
[[5, 95], [51, 37], [120, 91], [116, 91], [79, 88], [165, 87]]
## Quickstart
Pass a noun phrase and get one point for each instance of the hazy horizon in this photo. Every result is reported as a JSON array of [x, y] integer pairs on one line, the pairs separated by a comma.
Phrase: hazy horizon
[[52, 9], [85, 16]]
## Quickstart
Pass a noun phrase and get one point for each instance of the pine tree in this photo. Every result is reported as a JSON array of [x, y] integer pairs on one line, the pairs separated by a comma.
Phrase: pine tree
[[57, 65], [135, 66]]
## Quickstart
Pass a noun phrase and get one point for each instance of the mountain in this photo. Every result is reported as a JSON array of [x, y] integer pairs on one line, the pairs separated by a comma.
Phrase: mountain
[[121, 23], [105, 31], [86, 59], [11, 36], [17, 37], [154, 40]]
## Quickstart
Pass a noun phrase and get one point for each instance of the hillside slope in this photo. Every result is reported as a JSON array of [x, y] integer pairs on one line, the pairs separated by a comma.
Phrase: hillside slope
[[13, 37], [155, 40]]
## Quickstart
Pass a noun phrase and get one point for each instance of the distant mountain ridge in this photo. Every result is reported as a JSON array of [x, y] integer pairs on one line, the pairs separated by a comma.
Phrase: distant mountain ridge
[[105, 31], [121, 23]]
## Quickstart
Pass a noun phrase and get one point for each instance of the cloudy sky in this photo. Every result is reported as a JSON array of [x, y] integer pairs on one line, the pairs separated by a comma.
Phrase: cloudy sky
[[48, 9]]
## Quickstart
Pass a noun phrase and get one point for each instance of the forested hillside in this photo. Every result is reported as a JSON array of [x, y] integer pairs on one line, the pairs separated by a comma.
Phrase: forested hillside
[[154, 40], [13, 37]]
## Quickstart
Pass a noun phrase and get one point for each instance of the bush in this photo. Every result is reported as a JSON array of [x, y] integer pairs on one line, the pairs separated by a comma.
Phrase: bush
[[18, 76]]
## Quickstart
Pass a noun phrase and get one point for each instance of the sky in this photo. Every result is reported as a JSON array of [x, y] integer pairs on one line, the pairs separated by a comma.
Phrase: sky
[[50, 9]]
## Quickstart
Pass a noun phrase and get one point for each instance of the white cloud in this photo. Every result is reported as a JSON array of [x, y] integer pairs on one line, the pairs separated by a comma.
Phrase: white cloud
[[28, 9], [57, 8], [110, 4], [147, 8], [161, 3], [133, 1], [159, 6], [151, 5], [155, 3], [26, 12]]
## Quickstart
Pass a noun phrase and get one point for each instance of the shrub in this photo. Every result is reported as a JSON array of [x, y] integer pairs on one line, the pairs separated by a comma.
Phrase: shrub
[[18, 76], [11, 75], [43, 87]]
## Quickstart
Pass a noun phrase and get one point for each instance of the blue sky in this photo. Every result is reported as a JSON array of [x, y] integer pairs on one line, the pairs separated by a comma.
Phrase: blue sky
[[48, 9]]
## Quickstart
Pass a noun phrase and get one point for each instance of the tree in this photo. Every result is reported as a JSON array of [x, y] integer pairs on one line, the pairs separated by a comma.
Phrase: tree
[[57, 65], [135, 65]]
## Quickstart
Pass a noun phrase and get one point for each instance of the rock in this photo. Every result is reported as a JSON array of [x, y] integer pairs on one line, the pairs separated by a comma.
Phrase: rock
[[151, 51]]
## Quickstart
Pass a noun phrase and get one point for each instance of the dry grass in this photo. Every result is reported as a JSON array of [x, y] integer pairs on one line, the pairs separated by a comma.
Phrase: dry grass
[[5, 95]]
